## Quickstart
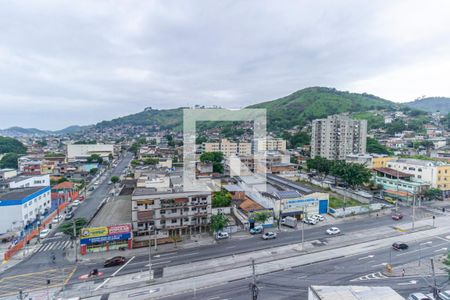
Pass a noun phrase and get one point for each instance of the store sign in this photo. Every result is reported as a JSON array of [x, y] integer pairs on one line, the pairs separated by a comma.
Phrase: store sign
[[105, 234], [94, 232], [119, 229]]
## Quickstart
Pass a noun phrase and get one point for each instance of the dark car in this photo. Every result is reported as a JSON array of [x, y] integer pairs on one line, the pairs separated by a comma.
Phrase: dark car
[[115, 261], [69, 215], [397, 217], [399, 246]]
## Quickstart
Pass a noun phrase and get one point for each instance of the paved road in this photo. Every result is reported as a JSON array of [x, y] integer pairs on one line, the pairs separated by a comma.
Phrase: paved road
[[59, 245], [349, 270], [235, 246]]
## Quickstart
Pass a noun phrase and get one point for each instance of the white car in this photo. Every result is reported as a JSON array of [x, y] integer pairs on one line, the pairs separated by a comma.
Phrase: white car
[[76, 203], [44, 233], [445, 295], [310, 221], [333, 231], [57, 219], [418, 296], [222, 235], [269, 235], [318, 217]]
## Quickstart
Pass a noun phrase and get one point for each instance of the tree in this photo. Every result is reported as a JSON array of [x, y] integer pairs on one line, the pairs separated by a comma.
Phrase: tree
[[115, 179], [95, 158], [261, 217], [93, 171], [215, 158], [135, 162], [218, 222], [151, 161], [433, 194], [355, 175], [221, 199], [373, 146], [10, 145], [110, 157], [296, 140], [67, 227], [320, 164], [61, 180], [9, 160]]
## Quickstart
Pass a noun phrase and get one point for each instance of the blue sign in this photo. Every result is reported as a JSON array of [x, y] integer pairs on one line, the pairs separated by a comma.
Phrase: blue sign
[[108, 238]]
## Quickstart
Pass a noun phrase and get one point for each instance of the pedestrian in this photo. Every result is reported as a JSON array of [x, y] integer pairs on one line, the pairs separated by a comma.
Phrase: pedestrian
[[403, 272]]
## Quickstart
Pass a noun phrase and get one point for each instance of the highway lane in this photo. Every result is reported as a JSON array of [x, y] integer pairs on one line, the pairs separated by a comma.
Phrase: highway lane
[[235, 246], [349, 270]]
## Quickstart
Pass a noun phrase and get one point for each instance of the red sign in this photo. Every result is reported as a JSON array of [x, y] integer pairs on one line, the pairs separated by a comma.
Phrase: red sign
[[119, 229]]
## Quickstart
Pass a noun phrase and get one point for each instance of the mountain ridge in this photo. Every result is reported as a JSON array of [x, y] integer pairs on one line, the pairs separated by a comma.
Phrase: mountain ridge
[[431, 104]]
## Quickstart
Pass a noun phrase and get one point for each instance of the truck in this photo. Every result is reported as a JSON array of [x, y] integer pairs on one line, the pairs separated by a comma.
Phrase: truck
[[289, 221]]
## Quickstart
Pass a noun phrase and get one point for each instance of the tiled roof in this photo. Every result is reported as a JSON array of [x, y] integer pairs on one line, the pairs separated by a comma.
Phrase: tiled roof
[[392, 172]]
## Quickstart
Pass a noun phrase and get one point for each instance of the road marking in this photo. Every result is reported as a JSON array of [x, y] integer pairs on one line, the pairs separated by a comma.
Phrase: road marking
[[167, 254], [366, 257], [411, 282], [426, 243], [442, 249], [159, 262], [230, 247], [379, 265], [114, 274]]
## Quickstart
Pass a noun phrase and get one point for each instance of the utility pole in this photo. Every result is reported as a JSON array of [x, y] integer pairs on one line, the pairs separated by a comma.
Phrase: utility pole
[[75, 239], [150, 253], [253, 287], [435, 289], [303, 234], [414, 211]]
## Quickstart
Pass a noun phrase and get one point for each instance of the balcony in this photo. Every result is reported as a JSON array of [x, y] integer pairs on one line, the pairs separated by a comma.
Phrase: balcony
[[144, 216]]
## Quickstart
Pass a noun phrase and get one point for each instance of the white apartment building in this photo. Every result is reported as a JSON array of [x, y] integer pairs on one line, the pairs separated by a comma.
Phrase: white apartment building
[[20, 207], [80, 152], [29, 181], [229, 148], [170, 213], [435, 173], [269, 144], [338, 136]]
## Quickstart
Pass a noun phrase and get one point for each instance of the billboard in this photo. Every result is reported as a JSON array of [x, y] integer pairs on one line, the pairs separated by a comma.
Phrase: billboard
[[104, 234]]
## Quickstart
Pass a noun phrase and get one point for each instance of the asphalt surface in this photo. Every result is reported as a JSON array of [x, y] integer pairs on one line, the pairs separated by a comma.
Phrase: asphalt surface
[[364, 270], [59, 245], [235, 246]]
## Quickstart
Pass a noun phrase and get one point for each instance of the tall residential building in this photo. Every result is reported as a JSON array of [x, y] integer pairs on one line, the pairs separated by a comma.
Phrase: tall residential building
[[338, 136], [270, 144], [229, 148]]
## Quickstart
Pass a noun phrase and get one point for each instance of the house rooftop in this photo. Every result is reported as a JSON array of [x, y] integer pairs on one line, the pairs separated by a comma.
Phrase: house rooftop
[[393, 173], [19, 194]]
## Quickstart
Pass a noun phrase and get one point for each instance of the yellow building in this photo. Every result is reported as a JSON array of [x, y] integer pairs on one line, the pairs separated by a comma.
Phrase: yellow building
[[443, 177], [381, 161]]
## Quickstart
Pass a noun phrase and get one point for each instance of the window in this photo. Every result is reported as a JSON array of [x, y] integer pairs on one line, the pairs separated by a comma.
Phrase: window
[[162, 211], [419, 176], [174, 211], [420, 170], [174, 221]]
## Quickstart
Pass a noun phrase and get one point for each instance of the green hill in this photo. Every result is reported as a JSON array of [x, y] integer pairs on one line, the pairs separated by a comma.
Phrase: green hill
[[317, 102], [431, 104], [287, 112]]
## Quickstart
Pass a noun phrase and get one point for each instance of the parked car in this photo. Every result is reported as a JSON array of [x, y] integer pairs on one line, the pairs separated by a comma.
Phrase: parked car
[[399, 246], [333, 231], [222, 235], [289, 221], [318, 217], [44, 233], [57, 219], [310, 221], [76, 203], [397, 217], [81, 198], [91, 189], [390, 200], [269, 235], [418, 296], [256, 230], [69, 215], [445, 295], [115, 261]]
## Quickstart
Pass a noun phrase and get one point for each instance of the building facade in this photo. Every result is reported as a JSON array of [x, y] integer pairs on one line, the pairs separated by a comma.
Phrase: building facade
[[80, 152], [21, 207], [229, 148], [269, 144], [338, 136], [163, 215]]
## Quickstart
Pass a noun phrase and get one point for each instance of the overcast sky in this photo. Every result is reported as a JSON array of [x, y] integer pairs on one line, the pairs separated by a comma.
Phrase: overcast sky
[[80, 62]]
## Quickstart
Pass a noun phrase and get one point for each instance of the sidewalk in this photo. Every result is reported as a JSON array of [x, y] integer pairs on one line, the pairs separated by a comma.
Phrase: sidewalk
[[414, 269], [203, 239], [212, 272], [19, 256]]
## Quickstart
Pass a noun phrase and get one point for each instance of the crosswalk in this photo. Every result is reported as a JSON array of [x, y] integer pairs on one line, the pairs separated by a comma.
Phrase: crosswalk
[[57, 245], [377, 275]]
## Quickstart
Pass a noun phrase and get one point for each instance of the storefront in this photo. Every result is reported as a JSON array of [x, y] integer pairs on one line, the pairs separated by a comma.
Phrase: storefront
[[105, 238], [315, 203]]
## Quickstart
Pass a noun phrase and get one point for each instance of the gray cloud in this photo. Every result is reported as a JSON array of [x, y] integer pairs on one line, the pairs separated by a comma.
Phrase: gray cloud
[[79, 62]]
